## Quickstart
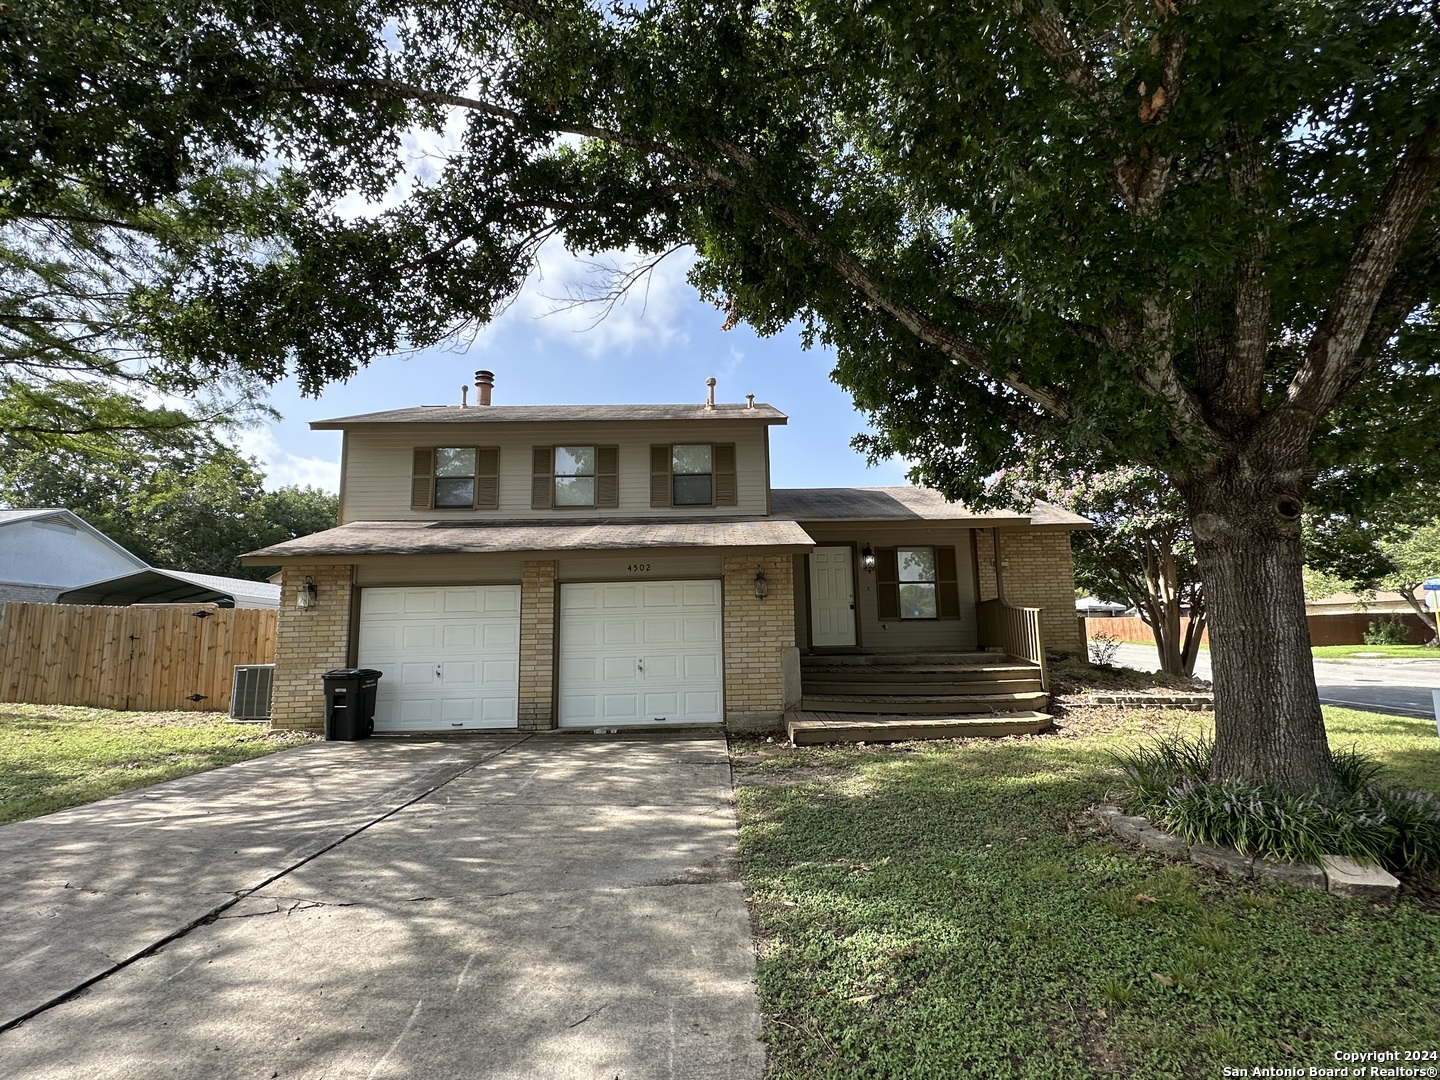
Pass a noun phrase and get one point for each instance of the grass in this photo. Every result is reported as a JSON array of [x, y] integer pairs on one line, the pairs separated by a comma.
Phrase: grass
[[56, 756], [1398, 652], [948, 909]]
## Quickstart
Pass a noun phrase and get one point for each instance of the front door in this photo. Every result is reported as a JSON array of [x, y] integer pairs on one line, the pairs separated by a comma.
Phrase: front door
[[832, 596]]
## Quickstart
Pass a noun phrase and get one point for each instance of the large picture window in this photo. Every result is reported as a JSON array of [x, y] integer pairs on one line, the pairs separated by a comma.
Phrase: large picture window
[[917, 583], [692, 476], [574, 476], [454, 477]]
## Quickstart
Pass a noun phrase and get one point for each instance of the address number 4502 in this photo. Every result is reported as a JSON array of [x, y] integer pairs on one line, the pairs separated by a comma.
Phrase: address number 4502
[[639, 568]]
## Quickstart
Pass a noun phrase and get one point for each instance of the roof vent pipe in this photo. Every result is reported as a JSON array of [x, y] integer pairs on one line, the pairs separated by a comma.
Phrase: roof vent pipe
[[710, 392], [749, 401], [464, 396], [484, 385]]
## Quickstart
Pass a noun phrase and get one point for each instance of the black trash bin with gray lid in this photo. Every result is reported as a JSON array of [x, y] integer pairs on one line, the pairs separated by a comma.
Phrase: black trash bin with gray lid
[[350, 703]]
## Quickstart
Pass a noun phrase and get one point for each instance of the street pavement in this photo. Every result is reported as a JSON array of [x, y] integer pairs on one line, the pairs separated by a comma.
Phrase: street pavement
[[1401, 687], [496, 906]]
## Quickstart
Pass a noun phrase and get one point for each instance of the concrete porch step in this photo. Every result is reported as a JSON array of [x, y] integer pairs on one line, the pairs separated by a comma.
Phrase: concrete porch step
[[810, 728], [880, 673], [924, 704], [900, 659], [825, 685]]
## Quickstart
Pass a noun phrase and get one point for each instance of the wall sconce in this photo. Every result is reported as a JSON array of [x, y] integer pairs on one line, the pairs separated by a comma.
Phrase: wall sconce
[[306, 594], [762, 587], [867, 559]]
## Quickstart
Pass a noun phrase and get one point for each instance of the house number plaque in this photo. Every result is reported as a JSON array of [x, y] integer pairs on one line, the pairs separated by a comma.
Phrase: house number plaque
[[639, 568]]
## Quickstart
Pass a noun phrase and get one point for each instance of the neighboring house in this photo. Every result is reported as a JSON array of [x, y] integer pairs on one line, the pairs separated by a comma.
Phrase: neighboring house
[[44, 552], [1375, 603], [606, 565], [151, 586]]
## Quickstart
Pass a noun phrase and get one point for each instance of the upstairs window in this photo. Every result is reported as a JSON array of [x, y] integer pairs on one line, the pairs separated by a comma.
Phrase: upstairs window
[[455, 478], [574, 476], [692, 480]]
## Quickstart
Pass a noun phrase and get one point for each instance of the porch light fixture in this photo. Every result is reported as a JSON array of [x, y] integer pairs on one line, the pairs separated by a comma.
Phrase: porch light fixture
[[305, 596], [867, 559], [762, 587]]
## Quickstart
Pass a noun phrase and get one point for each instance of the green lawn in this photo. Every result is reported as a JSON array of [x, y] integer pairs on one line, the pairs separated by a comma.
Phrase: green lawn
[[950, 910], [54, 756], [1404, 652]]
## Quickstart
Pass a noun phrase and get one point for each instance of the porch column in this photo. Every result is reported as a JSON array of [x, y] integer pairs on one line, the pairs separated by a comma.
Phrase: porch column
[[762, 664], [309, 642]]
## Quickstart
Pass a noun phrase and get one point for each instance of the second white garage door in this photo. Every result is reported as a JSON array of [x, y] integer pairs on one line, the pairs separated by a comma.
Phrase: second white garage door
[[450, 656], [640, 653]]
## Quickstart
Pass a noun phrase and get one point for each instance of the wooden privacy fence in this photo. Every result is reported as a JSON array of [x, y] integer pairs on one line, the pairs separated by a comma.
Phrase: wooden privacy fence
[[1338, 628], [175, 656], [1002, 625]]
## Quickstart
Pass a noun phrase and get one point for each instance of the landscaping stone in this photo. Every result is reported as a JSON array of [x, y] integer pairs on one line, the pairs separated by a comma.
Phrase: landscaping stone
[[1226, 860], [1166, 843], [1106, 811], [1129, 828], [1365, 880], [1306, 875]]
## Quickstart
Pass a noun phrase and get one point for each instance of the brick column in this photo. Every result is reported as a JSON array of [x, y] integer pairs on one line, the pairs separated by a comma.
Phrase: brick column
[[758, 634], [537, 645], [309, 642], [1039, 573], [985, 564]]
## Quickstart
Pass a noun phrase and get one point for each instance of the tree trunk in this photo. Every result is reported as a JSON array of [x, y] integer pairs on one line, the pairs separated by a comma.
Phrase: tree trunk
[[1194, 632], [1268, 726], [1426, 617]]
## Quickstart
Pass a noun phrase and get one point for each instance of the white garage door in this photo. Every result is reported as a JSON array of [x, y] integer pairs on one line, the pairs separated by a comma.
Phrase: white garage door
[[640, 653], [451, 656]]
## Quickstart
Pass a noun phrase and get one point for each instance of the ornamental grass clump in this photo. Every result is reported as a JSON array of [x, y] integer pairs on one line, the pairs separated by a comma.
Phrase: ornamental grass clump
[[1168, 781]]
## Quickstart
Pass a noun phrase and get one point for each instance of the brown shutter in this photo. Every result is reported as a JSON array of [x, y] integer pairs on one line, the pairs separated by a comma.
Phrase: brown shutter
[[422, 480], [487, 478], [947, 585], [723, 462], [542, 478], [660, 462], [607, 477], [887, 584]]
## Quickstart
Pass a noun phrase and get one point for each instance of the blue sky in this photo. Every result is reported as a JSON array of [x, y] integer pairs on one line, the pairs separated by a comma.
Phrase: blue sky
[[659, 345]]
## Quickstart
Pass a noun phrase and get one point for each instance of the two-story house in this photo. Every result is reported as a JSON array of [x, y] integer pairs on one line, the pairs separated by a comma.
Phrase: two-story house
[[595, 566]]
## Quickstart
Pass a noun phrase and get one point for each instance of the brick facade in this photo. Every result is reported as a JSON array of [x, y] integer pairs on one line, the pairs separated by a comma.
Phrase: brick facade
[[308, 643], [537, 645], [758, 633], [1036, 571]]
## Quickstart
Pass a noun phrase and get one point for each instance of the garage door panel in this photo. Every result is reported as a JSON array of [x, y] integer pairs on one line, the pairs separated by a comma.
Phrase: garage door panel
[[673, 626], [471, 634]]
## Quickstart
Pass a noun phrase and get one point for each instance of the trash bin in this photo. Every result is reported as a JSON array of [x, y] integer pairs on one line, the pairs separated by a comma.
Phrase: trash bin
[[350, 702]]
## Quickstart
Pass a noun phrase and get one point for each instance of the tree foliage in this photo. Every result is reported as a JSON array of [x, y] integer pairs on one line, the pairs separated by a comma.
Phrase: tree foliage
[[1195, 235], [174, 495]]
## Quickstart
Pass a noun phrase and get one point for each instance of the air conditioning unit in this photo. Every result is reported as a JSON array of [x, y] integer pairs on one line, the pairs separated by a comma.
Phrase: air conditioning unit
[[250, 696]]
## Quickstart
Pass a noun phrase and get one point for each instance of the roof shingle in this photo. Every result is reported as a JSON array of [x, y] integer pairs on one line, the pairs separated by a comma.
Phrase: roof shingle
[[531, 414]]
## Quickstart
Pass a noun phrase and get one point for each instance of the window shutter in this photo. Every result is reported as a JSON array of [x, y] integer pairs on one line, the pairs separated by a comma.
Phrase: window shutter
[[887, 584], [660, 475], [607, 477], [422, 480], [723, 462], [542, 478], [487, 478], [947, 584]]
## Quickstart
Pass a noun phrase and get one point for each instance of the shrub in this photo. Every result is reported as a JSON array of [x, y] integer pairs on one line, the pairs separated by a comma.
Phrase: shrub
[[1168, 781], [1103, 648], [1390, 631]]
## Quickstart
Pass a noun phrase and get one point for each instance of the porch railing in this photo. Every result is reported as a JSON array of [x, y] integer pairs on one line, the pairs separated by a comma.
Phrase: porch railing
[[1016, 630]]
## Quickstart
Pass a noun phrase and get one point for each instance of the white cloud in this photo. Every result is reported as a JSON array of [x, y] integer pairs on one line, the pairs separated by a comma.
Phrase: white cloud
[[283, 468]]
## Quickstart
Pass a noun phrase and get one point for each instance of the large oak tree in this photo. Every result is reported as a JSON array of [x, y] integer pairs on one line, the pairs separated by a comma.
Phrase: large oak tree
[[1184, 235]]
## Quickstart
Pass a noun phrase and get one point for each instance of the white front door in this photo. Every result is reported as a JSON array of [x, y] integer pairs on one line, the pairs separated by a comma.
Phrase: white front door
[[832, 596], [638, 652], [450, 656]]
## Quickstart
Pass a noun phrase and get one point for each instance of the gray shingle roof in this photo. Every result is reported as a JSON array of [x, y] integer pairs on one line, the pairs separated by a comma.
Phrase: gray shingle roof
[[905, 504], [449, 537], [496, 414]]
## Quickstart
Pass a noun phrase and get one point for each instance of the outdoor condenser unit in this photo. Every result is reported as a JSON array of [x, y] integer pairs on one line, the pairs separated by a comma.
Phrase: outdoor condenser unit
[[250, 696]]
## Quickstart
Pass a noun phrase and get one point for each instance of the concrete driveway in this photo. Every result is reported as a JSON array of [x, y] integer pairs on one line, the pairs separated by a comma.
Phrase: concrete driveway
[[489, 906]]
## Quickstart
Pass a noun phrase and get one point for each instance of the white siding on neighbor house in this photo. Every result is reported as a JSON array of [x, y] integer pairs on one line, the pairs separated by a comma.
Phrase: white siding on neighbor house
[[376, 484], [897, 635], [50, 552]]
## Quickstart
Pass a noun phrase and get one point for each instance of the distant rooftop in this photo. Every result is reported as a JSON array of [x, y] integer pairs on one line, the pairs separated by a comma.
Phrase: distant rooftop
[[500, 414]]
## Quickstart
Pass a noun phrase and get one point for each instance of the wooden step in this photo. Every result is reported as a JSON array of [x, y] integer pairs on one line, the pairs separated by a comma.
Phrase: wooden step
[[880, 673], [811, 728], [924, 704], [824, 686]]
